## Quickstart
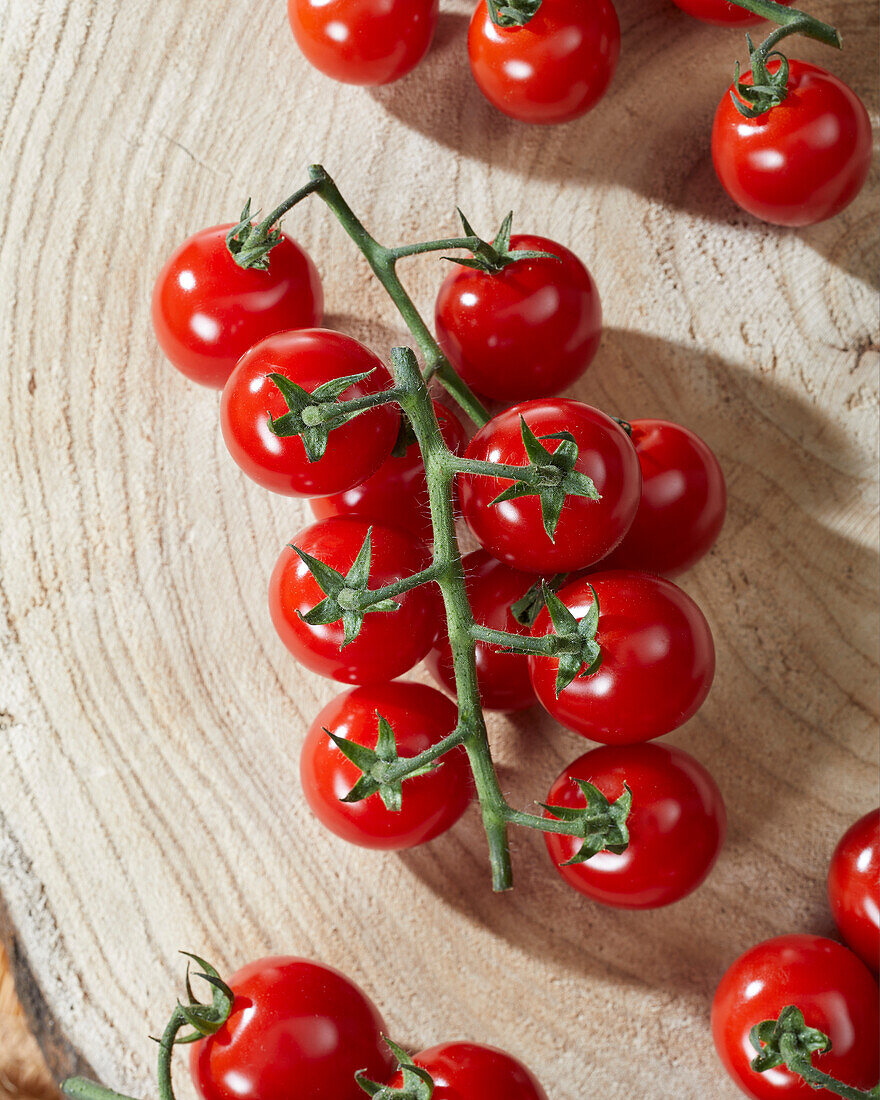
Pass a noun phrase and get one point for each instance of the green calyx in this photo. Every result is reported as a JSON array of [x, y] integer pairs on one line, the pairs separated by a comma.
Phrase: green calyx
[[604, 823], [580, 653], [204, 1019], [767, 89], [378, 767], [530, 605], [346, 598], [512, 13], [494, 257], [786, 1040], [552, 477], [313, 416], [417, 1082], [249, 244]]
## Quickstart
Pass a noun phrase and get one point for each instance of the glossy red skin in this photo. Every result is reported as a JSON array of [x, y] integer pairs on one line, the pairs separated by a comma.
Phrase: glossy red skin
[[207, 311], [720, 13], [503, 677], [420, 717], [683, 502], [801, 162], [677, 825], [529, 330], [397, 493], [297, 1028], [383, 41], [555, 68], [588, 530], [389, 643], [828, 983], [658, 660], [308, 357], [470, 1071], [854, 886]]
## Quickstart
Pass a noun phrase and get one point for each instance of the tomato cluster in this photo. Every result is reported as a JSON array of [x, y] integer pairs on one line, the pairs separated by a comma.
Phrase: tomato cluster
[[550, 487], [830, 985], [297, 1028]]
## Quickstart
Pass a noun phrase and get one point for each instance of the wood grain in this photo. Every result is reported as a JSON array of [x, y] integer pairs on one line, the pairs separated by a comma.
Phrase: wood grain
[[150, 717]]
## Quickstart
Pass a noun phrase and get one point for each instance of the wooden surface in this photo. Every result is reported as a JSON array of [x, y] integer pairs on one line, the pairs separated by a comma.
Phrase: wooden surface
[[151, 719]]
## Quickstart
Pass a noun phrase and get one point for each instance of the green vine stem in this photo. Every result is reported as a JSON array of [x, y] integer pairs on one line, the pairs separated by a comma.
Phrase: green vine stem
[[792, 21]]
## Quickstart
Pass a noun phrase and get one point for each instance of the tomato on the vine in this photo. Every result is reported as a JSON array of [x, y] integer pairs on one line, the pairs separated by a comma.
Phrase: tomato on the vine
[[389, 642], [296, 1028], [419, 716], [854, 887], [397, 492], [503, 678], [553, 69], [721, 13], [207, 311], [513, 530], [528, 330], [683, 502], [309, 358], [676, 825], [802, 161], [364, 41], [471, 1071], [828, 983], [657, 659]]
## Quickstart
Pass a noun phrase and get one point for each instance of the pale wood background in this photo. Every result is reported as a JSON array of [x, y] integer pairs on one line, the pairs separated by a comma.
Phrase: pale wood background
[[151, 719]]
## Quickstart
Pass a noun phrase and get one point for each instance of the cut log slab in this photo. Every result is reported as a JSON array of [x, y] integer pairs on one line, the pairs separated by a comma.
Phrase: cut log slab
[[151, 720]]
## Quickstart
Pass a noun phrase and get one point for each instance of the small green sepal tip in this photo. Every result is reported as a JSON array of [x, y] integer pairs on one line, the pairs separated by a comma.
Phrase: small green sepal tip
[[204, 1019], [346, 598], [604, 823], [417, 1082]]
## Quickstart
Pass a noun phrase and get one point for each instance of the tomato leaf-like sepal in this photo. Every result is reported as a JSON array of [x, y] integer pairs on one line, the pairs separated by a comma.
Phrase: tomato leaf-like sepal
[[344, 596], [375, 765], [494, 257], [313, 416], [785, 1040], [555, 478], [249, 244], [512, 13], [418, 1084], [604, 823], [584, 657], [204, 1019]]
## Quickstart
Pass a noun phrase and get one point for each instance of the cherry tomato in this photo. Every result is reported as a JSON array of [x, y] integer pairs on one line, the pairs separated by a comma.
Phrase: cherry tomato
[[854, 886], [721, 13], [297, 1028], [529, 330], [207, 311], [513, 530], [800, 162], [503, 677], [828, 983], [676, 825], [658, 660], [470, 1071], [684, 500], [390, 642], [420, 717], [397, 493], [310, 358], [555, 68], [364, 41]]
